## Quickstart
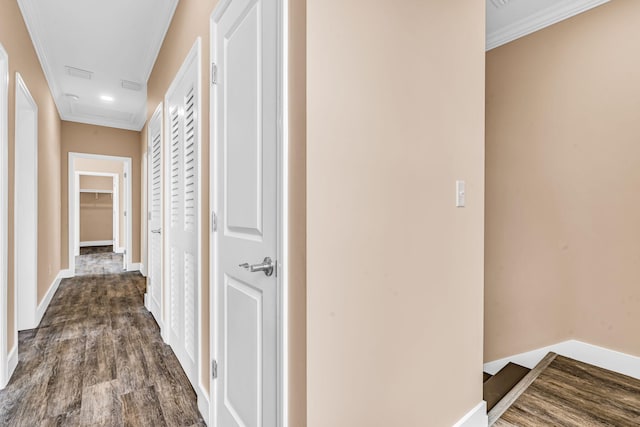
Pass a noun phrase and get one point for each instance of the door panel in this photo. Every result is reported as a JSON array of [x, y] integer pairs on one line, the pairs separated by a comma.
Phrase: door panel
[[182, 106], [155, 215], [244, 106]]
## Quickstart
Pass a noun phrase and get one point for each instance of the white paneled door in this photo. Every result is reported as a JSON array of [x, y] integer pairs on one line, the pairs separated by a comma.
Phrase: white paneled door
[[182, 116], [244, 111], [154, 227]]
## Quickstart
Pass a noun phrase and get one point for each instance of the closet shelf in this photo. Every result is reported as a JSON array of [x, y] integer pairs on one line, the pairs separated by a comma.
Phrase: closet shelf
[[88, 190]]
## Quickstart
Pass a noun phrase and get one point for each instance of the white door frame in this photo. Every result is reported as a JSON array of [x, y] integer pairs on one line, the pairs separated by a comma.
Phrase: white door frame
[[26, 296], [5, 371], [115, 208], [282, 276], [74, 219], [195, 54], [157, 115]]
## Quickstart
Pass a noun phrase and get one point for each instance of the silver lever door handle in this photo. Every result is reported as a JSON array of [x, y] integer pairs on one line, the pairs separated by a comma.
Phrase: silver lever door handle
[[157, 231], [266, 266]]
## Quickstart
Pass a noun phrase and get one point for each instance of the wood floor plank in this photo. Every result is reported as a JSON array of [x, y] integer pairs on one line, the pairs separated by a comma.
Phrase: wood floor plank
[[572, 393], [141, 408], [97, 358]]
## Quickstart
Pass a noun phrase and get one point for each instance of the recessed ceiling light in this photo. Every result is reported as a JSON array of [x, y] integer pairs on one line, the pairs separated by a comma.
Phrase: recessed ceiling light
[[106, 98]]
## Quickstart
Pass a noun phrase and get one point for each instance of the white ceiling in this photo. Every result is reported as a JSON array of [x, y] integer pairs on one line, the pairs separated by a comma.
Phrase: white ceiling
[[114, 40], [508, 20]]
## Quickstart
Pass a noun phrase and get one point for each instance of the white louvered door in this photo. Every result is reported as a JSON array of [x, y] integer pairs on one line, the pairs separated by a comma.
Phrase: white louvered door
[[154, 228], [182, 115]]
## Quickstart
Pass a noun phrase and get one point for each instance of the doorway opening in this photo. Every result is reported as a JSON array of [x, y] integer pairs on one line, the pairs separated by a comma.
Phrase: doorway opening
[[100, 219]]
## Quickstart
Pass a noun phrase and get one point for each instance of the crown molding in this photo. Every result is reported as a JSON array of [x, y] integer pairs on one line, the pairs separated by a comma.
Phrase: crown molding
[[552, 15]]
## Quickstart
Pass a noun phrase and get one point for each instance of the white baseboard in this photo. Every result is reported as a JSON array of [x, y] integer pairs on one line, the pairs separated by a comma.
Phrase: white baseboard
[[66, 274], [143, 270], [588, 353], [96, 243], [118, 250], [134, 266], [12, 363], [477, 417], [203, 404], [42, 307]]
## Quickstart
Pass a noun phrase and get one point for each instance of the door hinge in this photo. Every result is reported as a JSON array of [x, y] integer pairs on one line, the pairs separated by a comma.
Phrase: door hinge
[[214, 73], [214, 222], [125, 174], [214, 369], [124, 213], [149, 216]]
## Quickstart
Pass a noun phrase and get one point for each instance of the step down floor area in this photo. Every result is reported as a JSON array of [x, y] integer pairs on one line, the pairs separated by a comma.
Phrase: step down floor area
[[498, 385], [566, 392]]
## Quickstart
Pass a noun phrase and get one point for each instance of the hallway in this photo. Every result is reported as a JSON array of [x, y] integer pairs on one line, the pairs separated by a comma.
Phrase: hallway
[[97, 358]]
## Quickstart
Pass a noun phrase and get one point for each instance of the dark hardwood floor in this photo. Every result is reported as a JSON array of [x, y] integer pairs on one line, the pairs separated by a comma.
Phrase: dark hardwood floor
[[97, 359], [572, 393]]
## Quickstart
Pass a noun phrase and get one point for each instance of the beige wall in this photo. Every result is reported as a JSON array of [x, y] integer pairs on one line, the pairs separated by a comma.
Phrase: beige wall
[[96, 217], [107, 166], [90, 139], [89, 182], [297, 263], [96, 209], [562, 185], [394, 270], [22, 58]]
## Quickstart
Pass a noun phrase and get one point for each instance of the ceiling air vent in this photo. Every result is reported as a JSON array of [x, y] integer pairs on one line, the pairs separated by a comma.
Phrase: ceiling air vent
[[499, 3], [78, 72], [127, 84]]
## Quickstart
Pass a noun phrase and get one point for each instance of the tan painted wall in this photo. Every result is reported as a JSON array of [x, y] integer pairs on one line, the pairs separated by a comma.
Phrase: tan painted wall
[[22, 58], [96, 217], [89, 182], [395, 114], [562, 176], [297, 213], [90, 139], [107, 166]]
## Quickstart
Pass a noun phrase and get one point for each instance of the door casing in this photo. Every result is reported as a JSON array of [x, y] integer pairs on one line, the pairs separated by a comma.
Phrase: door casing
[[5, 369], [26, 170]]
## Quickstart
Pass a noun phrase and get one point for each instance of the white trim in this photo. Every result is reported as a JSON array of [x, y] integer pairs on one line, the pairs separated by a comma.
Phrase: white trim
[[143, 270], [560, 11], [12, 364], [477, 417], [73, 203], [203, 403], [195, 54], [44, 304], [283, 209], [119, 250], [588, 353], [26, 306], [5, 372], [96, 243], [95, 190], [65, 274], [134, 266]]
